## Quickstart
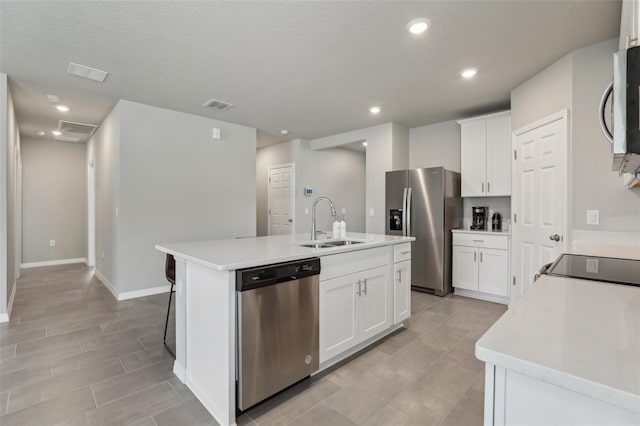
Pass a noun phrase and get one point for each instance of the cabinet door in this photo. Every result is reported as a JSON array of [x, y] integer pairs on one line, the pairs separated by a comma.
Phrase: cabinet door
[[338, 315], [498, 156], [402, 291], [465, 267], [472, 158], [376, 304], [493, 272]]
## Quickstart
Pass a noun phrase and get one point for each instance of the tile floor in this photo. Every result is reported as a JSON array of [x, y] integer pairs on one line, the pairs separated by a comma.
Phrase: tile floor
[[73, 355]]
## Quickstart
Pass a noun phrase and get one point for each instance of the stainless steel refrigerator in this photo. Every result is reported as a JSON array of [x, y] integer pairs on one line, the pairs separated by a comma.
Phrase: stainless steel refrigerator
[[426, 204]]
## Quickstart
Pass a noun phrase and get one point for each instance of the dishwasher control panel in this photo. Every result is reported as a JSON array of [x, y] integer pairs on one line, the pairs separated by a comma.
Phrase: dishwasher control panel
[[261, 276]]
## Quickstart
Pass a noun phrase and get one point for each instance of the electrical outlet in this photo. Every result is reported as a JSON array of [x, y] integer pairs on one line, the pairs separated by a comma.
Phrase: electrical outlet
[[593, 217], [52, 243], [306, 210], [102, 254], [371, 212], [344, 211]]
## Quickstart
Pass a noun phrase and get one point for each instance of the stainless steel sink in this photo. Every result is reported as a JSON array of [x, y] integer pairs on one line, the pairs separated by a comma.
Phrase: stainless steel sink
[[341, 243], [316, 245], [329, 244]]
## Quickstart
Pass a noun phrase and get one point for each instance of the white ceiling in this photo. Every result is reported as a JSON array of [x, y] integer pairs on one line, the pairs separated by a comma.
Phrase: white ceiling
[[313, 68]]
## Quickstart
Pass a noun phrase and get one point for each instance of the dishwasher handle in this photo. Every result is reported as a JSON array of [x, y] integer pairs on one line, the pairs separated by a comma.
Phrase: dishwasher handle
[[263, 276]]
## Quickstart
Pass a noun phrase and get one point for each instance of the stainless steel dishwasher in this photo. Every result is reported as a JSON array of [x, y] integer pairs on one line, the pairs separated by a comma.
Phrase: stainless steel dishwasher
[[278, 328]]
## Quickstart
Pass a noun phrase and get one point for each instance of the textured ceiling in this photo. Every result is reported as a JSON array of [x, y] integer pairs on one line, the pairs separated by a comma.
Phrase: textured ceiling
[[313, 68]]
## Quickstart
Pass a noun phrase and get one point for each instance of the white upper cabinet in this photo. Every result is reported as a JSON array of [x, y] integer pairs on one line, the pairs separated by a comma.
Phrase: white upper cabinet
[[629, 23], [486, 155]]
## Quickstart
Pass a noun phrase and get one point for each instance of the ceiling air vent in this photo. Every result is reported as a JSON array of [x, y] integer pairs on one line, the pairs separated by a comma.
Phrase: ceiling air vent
[[220, 105], [66, 139], [78, 128], [87, 72]]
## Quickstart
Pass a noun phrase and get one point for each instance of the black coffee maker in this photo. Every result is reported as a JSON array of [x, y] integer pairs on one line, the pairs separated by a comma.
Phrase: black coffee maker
[[479, 221]]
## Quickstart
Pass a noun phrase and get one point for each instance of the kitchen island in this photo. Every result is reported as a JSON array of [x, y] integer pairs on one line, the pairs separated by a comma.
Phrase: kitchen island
[[568, 352], [206, 302]]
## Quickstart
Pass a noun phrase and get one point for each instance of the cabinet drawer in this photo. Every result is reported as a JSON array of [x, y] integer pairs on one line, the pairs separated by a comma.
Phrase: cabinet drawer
[[500, 242], [401, 252], [337, 265]]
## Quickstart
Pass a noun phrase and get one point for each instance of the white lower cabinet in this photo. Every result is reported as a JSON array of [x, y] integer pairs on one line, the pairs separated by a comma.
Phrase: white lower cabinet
[[353, 308], [481, 267], [402, 291]]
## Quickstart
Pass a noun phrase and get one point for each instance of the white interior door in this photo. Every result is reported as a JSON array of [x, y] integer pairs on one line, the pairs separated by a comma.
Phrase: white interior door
[[539, 197], [281, 199]]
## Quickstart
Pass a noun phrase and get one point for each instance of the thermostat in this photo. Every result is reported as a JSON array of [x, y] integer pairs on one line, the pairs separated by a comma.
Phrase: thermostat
[[308, 192]]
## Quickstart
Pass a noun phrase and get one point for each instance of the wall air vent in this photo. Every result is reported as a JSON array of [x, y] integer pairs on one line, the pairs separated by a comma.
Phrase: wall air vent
[[219, 105], [87, 72], [78, 128]]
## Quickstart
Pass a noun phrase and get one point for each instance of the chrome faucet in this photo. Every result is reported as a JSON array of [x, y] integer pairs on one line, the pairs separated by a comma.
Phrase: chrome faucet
[[313, 214]]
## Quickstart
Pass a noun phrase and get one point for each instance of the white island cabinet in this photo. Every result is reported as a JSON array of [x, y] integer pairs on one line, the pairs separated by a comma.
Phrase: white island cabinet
[[356, 303], [568, 353]]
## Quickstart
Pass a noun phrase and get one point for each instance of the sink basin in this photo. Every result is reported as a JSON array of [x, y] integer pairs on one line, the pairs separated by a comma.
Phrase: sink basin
[[328, 244], [341, 243], [316, 245]]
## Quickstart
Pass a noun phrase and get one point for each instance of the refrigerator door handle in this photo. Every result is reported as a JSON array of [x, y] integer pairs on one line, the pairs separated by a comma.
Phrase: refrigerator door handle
[[404, 213], [408, 208]]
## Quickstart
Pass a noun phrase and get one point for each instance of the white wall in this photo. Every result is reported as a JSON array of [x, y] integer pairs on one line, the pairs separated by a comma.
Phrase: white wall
[[177, 184], [103, 152], [542, 95], [435, 145], [169, 181], [337, 173], [380, 159], [54, 200], [400, 147], [10, 205]]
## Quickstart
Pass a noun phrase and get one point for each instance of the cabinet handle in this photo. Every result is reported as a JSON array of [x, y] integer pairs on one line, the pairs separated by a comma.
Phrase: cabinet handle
[[405, 252], [474, 256], [480, 256], [399, 275], [365, 287], [488, 187], [478, 241], [359, 288], [482, 183]]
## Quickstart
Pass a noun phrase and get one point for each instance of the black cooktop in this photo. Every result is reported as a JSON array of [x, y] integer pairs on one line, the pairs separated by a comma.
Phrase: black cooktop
[[607, 269]]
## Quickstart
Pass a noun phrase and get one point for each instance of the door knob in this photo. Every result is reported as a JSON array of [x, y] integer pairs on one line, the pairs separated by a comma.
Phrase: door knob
[[554, 237], [290, 220]]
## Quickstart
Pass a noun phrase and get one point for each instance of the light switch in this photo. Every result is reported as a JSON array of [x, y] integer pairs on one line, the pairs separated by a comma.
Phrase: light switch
[[306, 210], [592, 265], [344, 211], [371, 212], [215, 133], [52, 243], [593, 217]]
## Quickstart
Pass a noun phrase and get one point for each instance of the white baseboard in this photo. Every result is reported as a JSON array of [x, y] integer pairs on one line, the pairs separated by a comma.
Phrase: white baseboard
[[53, 262], [4, 318], [144, 292], [481, 296], [130, 294], [10, 304], [106, 283], [179, 371]]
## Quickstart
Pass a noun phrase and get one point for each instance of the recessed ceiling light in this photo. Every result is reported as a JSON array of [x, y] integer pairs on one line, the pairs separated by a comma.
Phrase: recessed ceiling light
[[41, 133], [418, 26], [469, 73], [62, 108], [374, 110], [284, 132], [56, 132], [364, 144]]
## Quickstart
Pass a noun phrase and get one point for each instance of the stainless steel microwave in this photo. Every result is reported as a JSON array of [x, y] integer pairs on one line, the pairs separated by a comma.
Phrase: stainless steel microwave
[[625, 138]]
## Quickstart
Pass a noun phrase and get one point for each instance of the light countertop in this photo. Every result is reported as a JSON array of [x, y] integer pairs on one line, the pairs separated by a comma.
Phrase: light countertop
[[231, 254], [475, 231], [577, 334]]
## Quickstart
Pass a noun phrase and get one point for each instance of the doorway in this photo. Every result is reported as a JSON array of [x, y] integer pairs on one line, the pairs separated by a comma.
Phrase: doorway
[[281, 203], [539, 198]]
